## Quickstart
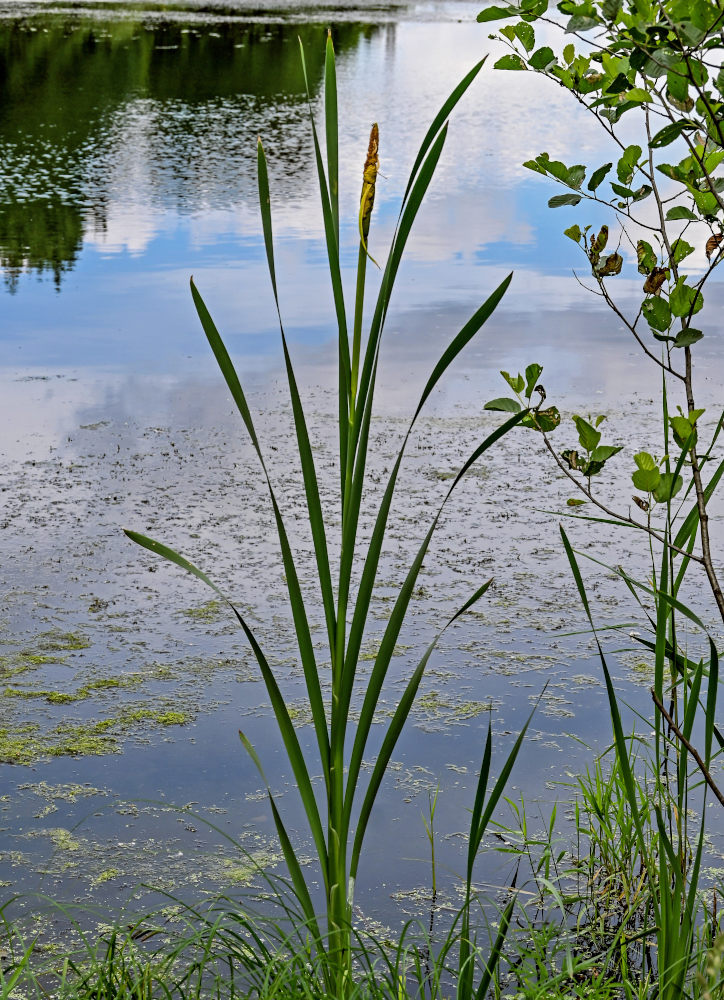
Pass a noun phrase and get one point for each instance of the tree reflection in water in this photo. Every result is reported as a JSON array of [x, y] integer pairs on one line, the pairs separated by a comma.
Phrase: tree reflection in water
[[84, 100]]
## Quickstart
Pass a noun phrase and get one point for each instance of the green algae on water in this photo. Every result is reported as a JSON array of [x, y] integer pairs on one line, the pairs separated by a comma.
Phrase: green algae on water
[[210, 611]]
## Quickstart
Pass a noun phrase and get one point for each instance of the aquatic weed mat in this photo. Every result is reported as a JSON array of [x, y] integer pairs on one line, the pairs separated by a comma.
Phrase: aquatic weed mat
[[119, 674]]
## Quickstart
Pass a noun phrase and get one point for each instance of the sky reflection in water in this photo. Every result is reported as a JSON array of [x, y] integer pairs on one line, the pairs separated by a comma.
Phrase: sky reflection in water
[[144, 172], [128, 148]]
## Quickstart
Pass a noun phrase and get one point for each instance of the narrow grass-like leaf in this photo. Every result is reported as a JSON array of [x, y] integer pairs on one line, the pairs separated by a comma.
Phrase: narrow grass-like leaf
[[465, 970], [440, 118], [372, 557], [395, 728], [691, 521], [496, 951], [159, 549], [336, 278], [286, 728], [301, 624], [662, 617], [396, 619], [331, 131], [585, 517], [8, 981], [225, 364], [479, 801], [481, 814], [619, 739], [311, 488], [295, 872], [711, 701], [476, 835], [262, 174], [407, 217], [314, 504], [292, 747], [690, 707]]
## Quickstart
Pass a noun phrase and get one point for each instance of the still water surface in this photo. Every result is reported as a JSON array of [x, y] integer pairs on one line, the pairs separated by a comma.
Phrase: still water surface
[[127, 162]]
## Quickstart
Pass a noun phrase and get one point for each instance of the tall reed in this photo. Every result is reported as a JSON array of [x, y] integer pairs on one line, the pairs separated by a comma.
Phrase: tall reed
[[338, 815]]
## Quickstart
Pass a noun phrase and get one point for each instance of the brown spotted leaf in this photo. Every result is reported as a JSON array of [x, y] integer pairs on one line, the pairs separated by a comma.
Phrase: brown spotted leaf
[[652, 285], [713, 244], [610, 265], [645, 256]]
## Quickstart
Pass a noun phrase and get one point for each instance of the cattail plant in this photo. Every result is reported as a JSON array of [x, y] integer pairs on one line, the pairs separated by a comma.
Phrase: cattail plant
[[338, 813]]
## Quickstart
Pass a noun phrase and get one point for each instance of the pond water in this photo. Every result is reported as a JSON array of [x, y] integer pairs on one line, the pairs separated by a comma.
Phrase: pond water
[[127, 163]]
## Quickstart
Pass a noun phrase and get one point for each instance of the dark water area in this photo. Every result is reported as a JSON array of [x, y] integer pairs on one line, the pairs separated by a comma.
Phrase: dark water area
[[127, 162], [65, 84]]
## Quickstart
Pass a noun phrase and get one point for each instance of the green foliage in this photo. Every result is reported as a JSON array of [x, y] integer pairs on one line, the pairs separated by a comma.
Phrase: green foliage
[[524, 386], [658, 64], [338, 824]]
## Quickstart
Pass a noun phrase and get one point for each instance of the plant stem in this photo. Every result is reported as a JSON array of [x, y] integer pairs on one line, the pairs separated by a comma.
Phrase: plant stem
[[357, 329], [701, 500], [692, 750]]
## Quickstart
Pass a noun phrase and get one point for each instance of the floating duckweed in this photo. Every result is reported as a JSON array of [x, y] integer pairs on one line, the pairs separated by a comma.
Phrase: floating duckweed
[[244, 872], [60, 642], [54, 697], [39, 659], [211, 611], [162, 671], [172, 718], [19, 746], [111, 682], [20, 663], [372, 649], [62, 839], [435, 705], [80, 741], [106, 876], [300, 713], [60, 697]]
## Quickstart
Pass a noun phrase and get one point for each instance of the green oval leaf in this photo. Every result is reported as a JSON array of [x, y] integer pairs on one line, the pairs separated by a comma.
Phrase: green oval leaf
[[685, 300], [639, 95], [679, 212], [510, 62], [671, 132], [496, 14], [542, 58], [563, 199], [657, 313], [687, 337], [668, 487], [587, 435], [504, 405], [646, 480], [644, 461], [598, 175]]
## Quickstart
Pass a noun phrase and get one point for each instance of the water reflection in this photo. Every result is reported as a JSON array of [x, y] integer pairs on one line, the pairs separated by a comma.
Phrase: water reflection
[[164, 113], [40, 235]]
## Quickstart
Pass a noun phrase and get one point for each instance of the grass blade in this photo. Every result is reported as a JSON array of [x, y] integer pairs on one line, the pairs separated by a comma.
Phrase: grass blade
[[396, 619], [336, 279], [286, 728], [331, 131], [301, 624], [619, 739], [372, 557], [395, 728], [440, 118], [496, 951], [311, 488], [295, 871]]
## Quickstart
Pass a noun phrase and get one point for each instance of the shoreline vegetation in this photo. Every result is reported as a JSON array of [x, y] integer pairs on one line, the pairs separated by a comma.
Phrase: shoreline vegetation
[[627, 910]]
